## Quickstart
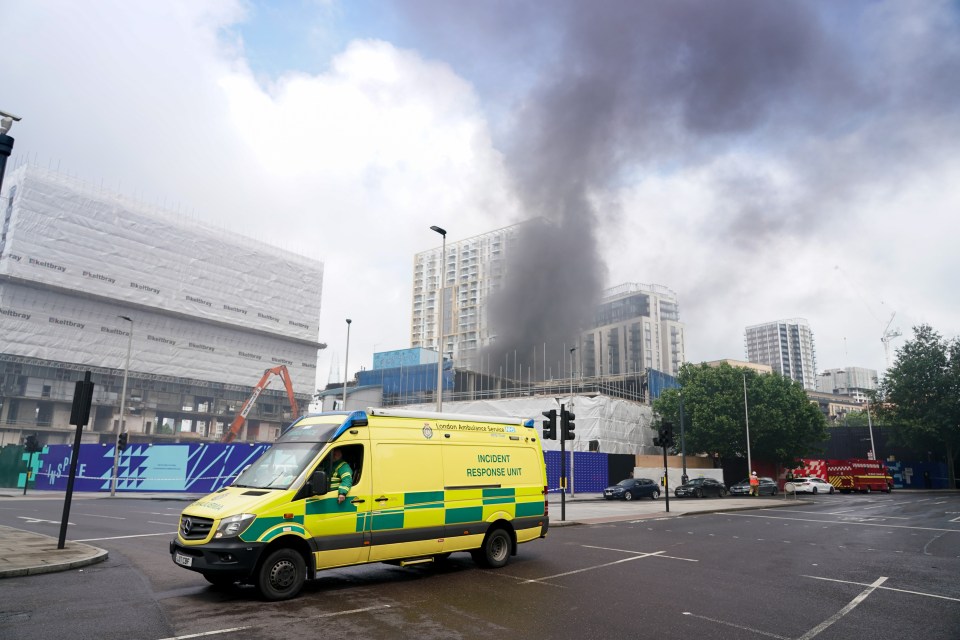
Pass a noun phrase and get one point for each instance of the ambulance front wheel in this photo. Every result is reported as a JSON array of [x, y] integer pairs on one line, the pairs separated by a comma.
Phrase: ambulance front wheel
[[281, 575], [495, 551]]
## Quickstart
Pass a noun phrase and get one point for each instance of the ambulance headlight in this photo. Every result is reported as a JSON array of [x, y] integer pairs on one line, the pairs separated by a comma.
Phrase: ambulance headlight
[[234, 525]]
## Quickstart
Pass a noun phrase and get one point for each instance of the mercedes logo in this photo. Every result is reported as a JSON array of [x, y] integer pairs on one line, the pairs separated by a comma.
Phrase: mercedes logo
[[185, 525]]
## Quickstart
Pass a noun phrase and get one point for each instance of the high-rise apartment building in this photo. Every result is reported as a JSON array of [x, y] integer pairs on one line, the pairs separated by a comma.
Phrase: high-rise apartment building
[[855, 382], [474, 268], [636, 327], [787, 346]]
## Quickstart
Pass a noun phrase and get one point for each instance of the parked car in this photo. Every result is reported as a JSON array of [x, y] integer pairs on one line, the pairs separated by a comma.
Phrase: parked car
[[767, 487], [633, 488], [700, 487], [812, 485]]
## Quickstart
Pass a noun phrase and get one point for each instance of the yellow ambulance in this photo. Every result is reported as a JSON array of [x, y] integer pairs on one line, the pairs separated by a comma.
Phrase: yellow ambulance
[[424, 485]]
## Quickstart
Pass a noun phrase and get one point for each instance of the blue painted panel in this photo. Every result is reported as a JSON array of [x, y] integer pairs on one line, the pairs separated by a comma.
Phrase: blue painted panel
[[589, 476], [194, 468]]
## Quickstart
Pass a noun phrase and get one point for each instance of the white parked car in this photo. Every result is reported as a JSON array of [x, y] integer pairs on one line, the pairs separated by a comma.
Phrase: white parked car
[[812, 485]]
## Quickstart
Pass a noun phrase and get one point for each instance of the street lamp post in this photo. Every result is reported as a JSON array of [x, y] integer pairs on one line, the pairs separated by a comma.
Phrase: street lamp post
[[746, 415], [873, 448], [572, 349], [123, 408], [346, 364], [443, 268]]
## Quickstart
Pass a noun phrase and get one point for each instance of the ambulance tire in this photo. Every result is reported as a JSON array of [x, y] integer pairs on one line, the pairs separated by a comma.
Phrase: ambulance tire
[[495, 552], [281, 575]]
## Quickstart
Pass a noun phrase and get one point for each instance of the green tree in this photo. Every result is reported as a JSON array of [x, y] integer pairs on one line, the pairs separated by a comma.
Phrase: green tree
[[921, 394], [784, 424]]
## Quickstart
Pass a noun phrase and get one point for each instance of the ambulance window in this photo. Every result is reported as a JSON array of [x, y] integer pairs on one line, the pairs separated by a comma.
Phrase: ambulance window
[[353, 454]]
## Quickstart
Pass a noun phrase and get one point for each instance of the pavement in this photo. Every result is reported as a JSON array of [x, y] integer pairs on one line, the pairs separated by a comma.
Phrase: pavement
[[24, 553]]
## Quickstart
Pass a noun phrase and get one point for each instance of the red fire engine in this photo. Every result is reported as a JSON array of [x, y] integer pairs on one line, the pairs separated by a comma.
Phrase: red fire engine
[[854, 474]]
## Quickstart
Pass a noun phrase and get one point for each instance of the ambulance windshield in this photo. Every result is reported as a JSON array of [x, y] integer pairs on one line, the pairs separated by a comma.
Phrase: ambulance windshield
[[279, 466]]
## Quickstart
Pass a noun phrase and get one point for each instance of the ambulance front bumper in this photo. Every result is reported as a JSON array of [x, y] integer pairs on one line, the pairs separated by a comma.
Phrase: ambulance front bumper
[[228, 557]]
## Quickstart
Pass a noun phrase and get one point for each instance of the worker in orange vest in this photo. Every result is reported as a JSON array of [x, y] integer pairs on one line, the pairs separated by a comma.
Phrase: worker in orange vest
[[754, 484]]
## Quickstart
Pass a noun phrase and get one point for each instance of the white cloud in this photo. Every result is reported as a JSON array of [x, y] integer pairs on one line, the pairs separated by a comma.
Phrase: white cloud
[[351, 166]]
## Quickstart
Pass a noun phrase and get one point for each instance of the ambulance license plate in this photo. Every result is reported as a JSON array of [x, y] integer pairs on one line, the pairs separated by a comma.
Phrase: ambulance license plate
[[182, 560]]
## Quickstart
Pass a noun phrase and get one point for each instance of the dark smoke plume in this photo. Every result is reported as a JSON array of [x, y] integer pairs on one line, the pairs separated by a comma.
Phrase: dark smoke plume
[[826, 91]]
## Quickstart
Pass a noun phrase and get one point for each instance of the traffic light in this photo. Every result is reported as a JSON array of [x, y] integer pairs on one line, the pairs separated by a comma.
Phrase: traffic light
[[31, 445], [567, 425], [666, 434], [656, 441], [122, 441], [550, 425]]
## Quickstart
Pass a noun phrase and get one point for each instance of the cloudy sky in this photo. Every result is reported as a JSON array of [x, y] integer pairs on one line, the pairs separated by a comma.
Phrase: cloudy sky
[[764, 160]]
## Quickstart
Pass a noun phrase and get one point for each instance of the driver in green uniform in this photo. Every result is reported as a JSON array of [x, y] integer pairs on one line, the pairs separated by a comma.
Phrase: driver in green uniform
[[341, 475]]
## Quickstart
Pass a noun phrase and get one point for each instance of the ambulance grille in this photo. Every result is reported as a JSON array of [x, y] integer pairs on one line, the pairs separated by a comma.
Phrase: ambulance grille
[[194, 527]]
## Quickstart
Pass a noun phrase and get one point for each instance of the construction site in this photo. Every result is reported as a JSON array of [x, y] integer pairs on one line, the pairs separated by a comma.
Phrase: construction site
[[175, 321]]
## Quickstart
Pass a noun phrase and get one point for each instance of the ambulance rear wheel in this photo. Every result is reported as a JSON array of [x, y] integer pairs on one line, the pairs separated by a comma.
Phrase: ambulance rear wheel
[[281, 575], [495, 551]]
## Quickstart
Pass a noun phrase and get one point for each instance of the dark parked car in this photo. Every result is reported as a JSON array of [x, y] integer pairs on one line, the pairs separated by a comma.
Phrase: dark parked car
[[767, 487], [633, 488], [700, 487]]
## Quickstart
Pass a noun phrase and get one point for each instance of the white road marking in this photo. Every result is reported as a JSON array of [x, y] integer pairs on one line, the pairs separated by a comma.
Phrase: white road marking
[[736, 626], [205, 633], [139, 535], [643, 553], [343, 613], [599, 566], [844, 515], [166, 524], [93, 515], [862, 584], [325, 615], [40, 520], [847, 609], [862, 524]]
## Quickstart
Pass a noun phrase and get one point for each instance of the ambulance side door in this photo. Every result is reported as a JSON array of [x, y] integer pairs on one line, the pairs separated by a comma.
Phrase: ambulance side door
[[408, 510], [339, 528]]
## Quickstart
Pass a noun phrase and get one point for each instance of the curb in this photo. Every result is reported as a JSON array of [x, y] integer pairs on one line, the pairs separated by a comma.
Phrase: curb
[[100, 556]]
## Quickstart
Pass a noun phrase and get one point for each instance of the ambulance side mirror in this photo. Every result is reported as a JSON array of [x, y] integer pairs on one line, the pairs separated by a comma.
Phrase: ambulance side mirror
[[319, 483]]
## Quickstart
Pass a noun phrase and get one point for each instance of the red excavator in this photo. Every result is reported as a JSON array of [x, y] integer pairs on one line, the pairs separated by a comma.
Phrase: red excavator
[[231, 434]]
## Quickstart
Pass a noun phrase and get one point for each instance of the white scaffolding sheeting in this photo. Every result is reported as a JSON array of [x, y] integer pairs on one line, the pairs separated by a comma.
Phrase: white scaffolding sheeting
[[619, 426], [206, 304]]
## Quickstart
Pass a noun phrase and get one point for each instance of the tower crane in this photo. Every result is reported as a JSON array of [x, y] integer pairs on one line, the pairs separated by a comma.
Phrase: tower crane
[[888, 335]]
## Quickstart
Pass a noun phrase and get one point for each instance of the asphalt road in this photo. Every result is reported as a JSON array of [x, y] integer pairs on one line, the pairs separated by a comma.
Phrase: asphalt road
[[843, 568]]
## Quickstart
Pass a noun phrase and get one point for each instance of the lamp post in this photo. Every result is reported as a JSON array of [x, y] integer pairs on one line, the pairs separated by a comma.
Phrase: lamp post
[[572, 349], [123, 408], [873, 448], [746, 415], [346, 364], [6, 142], [443, 269]]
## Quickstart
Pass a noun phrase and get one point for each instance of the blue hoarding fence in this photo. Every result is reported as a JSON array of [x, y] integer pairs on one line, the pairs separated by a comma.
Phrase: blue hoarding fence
[[192, 468]]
